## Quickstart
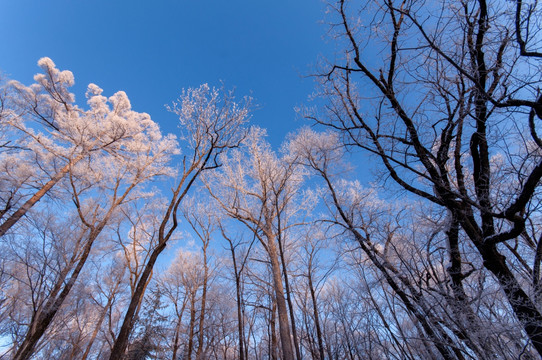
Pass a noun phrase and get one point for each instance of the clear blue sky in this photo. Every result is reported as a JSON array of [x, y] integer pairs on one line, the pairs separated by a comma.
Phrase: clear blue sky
[[152, 49]]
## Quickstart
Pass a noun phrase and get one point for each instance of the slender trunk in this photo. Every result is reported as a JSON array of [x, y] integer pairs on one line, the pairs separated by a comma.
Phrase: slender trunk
[[239, 305], [284, 327], [240, 321], [250, 334], [122, 339], [316, 317], [311, 343], [100, 320], [203, 301], [191, 325], [176, 342], [273, 344], [289, 297], [178, 330]]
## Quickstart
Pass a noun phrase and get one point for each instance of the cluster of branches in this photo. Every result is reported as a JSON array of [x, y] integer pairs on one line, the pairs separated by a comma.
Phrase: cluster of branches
[[72, 178], [445, 95]]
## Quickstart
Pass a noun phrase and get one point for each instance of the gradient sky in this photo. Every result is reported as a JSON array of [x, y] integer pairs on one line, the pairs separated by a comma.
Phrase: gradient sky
[[153, 49]]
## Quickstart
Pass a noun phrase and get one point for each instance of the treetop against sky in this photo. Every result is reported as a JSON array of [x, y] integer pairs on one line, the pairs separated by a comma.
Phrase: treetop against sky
[[151, 50]]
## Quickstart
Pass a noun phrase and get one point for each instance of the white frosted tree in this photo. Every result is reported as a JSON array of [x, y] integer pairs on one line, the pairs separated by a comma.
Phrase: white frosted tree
[[402, 248], [258, 188], [211, 123], [123, 151], [57, 134], [445, 96]]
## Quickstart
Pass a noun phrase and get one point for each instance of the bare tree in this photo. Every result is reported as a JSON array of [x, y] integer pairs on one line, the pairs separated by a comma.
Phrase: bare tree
[[176, 286], [239, 262], [385, 238], [108, 289], [315, 273], [69, 133], [211, 123], [203, 223], [446, 96], [257, 188]]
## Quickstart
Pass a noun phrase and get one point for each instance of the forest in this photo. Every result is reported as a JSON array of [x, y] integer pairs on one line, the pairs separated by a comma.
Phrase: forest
[[119, 241]]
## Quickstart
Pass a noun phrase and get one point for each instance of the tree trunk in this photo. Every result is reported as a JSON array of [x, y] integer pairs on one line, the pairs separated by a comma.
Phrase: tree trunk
[[122, 339], [525, 310], [288, 296], [284, 327], [461, 308], [316, 317], [272, 330], [178, 330], [191, 325], [203, 300], [240, 321]]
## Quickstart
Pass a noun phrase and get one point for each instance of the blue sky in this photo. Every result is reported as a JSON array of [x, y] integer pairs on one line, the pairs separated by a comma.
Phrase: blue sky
[[153, 49]]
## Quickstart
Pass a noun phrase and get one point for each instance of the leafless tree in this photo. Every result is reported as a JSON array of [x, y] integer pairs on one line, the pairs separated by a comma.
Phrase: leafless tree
[[257, 188], [212, 123], [445, 95]]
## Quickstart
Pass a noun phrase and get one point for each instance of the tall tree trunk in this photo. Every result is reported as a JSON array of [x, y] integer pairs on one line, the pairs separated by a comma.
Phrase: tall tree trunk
[[203, 304], [178, 330], [121, 342], [316, 317], [240, 321], [461, 308], [284, 327], [288, 295], [272, 330], [192, 325]]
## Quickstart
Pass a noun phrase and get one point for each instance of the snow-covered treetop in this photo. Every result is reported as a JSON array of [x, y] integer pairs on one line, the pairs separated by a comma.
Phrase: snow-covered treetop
[[109, 123]]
